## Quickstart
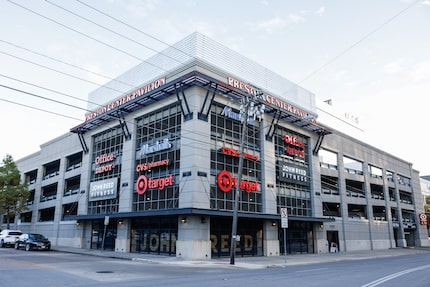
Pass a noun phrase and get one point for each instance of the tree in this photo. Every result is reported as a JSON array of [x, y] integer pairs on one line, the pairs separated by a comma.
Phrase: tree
[[13, 193]]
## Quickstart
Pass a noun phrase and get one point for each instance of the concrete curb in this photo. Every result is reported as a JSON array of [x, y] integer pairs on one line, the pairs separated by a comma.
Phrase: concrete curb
[[251, 262]]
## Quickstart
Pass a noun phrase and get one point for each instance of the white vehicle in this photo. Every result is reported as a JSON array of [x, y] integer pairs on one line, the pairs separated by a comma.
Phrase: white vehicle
[[8, 237]]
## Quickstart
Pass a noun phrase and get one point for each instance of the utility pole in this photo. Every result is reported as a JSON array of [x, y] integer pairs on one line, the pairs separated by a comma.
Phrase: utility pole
[[247, 110]]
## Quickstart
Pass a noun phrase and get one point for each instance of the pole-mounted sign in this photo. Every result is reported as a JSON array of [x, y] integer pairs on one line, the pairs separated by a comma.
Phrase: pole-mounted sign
[[284, 217]]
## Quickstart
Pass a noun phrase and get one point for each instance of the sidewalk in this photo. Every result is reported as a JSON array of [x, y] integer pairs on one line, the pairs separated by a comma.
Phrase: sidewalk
[[250, 262]]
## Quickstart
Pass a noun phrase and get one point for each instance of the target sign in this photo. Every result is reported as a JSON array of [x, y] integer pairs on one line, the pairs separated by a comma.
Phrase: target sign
[[423, 218], [141, 184], [225, 181]]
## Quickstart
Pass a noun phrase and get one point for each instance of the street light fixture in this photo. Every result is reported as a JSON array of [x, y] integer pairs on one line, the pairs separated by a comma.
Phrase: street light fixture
[[249, 108]]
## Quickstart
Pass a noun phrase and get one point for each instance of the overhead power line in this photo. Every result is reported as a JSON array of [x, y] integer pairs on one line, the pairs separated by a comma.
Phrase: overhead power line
[[85, 35], [193, 132], [110, 30], [42, 97], [45, 17], [38, 109], [65, 63], [49, 90], [317, 70], [132, 27], [58, 71]]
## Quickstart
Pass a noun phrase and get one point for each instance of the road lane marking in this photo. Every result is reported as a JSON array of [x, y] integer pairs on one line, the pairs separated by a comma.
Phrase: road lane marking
[[394, 275], [311, 270], [29, 263]]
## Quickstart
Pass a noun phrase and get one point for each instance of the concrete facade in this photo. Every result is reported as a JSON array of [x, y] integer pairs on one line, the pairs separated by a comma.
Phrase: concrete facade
[[361, 198]]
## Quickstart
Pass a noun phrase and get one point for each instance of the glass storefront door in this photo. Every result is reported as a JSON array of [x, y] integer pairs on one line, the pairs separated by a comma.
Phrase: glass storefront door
[[299, 238], [103, 237]]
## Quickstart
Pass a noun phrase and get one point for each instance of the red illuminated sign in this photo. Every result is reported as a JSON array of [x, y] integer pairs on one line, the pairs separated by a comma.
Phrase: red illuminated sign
[[232, 152], [148, 165], [294, 141], [143, 183], [242, 86], [423, 218], [127, 98], [269, 99], [226, 182], [102, 159]]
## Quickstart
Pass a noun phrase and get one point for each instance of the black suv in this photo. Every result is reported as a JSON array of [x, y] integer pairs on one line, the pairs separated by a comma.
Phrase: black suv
[[33, 241]]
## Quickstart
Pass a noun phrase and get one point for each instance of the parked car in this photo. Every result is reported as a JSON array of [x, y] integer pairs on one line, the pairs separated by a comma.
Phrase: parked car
[[32, 241], [8, 237]]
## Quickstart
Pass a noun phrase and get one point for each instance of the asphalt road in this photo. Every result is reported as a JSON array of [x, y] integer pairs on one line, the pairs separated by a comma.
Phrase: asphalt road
[[19, 268]]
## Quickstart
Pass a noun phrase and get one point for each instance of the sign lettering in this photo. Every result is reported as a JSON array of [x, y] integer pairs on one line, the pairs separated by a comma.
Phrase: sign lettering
[[127, 98], [103, 189], [226, 182], [236, 153], [158, 146], [148, 165], [296, 143], [143, 183], [102, 160], [293, 173], [269, 99]]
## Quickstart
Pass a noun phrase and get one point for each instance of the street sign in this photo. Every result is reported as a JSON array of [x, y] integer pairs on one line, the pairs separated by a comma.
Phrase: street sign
[[106, 220], [284, 217]]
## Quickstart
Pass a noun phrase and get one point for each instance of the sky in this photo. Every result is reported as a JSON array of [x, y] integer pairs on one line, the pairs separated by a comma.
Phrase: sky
[[370, 58]]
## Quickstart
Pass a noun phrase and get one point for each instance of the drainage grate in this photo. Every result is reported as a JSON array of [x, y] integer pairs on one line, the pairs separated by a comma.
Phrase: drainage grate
[[104, 271]]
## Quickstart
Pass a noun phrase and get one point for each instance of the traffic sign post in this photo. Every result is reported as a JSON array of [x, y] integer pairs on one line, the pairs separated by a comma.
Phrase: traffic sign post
[[284, 218], [284, 225], [106, 223]]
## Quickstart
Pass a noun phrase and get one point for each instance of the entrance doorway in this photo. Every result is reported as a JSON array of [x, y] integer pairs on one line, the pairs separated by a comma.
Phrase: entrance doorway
[[333, 241], [299, 238], [101, 237], [410, 238]]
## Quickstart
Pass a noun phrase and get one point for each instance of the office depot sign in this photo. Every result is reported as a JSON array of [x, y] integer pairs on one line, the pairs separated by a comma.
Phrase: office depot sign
[[295, 147], [105, 163]]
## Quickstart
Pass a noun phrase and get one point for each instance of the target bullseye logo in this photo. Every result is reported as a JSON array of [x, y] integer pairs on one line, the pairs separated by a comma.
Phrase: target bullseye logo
[[423, 218], [225, 181], [141, 184]]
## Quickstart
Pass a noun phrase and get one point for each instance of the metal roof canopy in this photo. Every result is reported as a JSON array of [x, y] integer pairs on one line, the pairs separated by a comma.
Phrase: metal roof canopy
[[195, 211], [179, 85]]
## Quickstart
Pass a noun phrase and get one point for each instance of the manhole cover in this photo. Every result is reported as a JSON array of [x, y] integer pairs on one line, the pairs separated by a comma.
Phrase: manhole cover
[[104, 271]]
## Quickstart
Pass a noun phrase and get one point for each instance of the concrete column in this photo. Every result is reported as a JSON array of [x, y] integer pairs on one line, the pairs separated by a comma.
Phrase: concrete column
[[268, 190], [343, 199], [194, 187], [193, 241], [270, 240], [268, 166], [421, 238], [401, 240], [369, 207], [126, 183], [122, 241]]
